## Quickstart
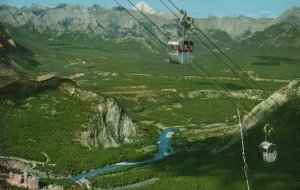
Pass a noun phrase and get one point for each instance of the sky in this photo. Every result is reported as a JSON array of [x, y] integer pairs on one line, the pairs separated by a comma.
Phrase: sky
[[195, 8]]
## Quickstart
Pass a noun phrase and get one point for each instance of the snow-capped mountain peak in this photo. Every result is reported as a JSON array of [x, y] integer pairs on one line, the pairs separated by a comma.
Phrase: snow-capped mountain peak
[[145, 8]]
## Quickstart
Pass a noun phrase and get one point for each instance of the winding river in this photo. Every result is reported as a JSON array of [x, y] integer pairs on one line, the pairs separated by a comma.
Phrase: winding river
[[164, 150]]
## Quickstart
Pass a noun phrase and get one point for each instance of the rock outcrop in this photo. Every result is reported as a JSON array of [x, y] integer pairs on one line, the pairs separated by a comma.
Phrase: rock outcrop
[[109, 127]]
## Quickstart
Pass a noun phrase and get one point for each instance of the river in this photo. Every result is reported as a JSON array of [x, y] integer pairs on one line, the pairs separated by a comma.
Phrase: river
[[164, 150]]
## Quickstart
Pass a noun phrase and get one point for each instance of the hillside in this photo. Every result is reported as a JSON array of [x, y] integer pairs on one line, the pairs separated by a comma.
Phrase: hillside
[[36, 114], [14, 58], [274, 102], [108, 128], [291, 16], [264, 113]]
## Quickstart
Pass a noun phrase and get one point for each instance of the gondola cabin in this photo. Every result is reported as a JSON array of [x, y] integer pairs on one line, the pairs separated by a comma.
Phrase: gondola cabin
[[267, 151], [180, 51]]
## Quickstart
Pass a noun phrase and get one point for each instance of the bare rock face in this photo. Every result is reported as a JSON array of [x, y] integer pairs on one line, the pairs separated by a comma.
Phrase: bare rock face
[[109, 127]]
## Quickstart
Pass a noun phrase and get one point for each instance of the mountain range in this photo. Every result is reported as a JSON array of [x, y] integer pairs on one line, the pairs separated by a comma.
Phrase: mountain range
[[115, 23]]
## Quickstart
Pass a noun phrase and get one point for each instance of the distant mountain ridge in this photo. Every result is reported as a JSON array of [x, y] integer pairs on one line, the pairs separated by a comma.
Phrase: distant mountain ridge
[[291, 16], [285, 32], [97, 21], [278, 35]]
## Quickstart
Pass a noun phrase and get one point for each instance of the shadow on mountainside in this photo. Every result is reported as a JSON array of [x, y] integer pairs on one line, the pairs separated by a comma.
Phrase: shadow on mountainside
[[275, 61]]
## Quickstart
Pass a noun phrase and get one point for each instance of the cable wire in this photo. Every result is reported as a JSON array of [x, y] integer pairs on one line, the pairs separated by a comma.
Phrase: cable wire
[[243, 148], [200, 67], [208, 47], [146, 17], [196, 64], [140, 22], [236, 65]]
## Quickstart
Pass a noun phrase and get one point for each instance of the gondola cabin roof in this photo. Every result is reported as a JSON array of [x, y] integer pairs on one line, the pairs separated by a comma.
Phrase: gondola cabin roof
[[268, 151], [266, 145], [177, 41]]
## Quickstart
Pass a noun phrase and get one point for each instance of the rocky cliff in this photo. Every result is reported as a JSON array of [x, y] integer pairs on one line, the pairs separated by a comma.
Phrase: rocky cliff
[[109, 127]]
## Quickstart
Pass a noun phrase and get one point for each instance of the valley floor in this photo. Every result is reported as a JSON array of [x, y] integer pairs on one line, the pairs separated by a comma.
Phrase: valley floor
[[155, 95]]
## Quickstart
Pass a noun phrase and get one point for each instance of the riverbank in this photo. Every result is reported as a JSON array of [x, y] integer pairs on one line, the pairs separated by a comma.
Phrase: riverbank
[[135, 185], [164, 150]]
